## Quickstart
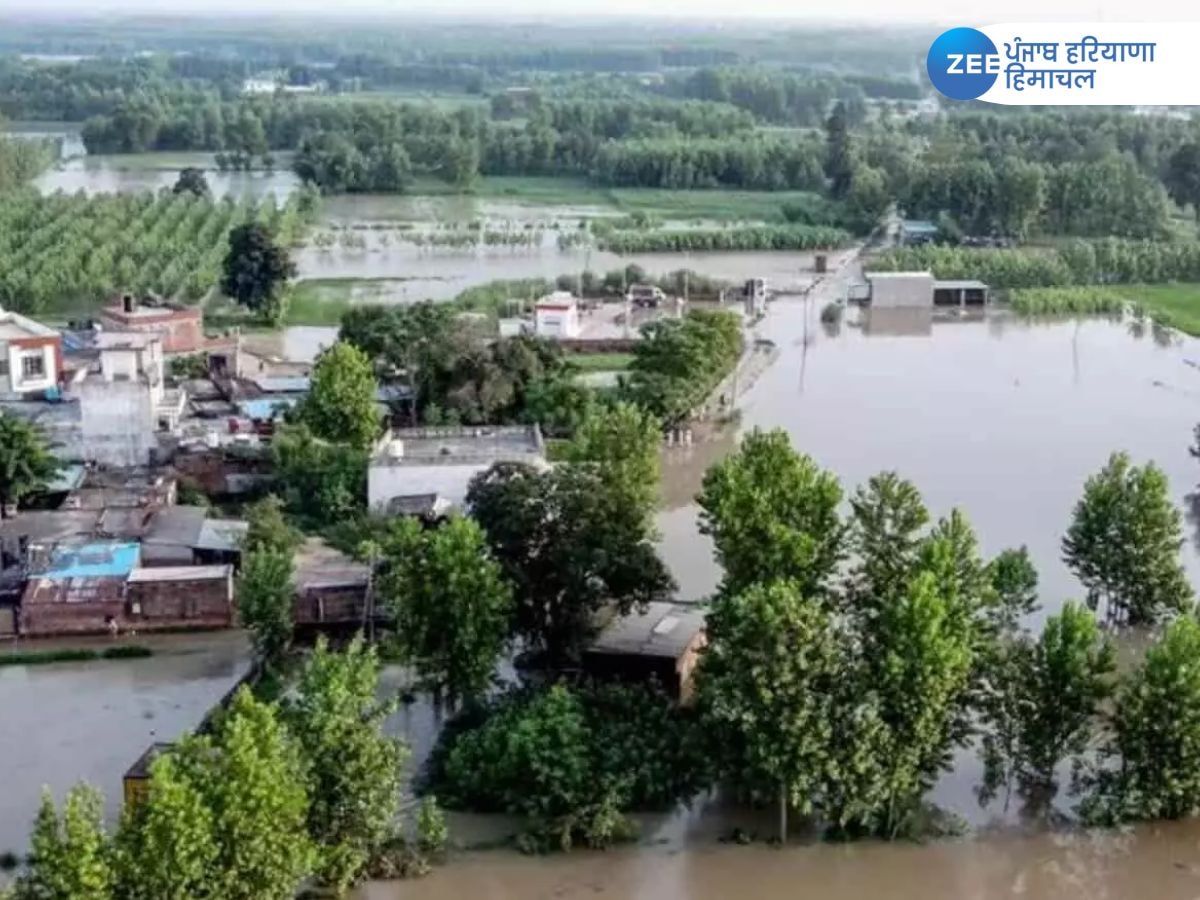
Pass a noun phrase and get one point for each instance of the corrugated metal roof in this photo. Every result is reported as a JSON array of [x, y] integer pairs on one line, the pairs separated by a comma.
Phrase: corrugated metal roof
[[664, 629], [93, 560], [180, 573], [282, 384], [225, 535], [179, 525]]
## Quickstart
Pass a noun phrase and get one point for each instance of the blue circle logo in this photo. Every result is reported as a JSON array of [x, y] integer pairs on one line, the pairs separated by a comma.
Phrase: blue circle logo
[[963, 63]]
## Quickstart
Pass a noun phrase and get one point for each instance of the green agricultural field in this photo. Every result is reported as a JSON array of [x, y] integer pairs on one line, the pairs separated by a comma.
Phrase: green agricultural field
[[1177, 305], [63, 254]]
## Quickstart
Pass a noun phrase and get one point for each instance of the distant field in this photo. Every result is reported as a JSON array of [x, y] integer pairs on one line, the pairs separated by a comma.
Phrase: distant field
[[719, 205]]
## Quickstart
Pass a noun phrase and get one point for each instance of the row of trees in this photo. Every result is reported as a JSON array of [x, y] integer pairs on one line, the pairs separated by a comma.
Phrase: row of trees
[[848, 656], [272, 796], [847, 659], [1017, 197], [1102, 261]]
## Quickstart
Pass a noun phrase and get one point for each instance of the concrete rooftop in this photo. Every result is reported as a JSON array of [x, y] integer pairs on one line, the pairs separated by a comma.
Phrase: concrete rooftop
[[459, 446]]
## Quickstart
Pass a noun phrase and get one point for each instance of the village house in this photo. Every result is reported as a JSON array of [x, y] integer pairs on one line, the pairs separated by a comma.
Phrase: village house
[[331, 588], [440, 462], [890, 290], [661, 644], [99, 587], [556, 316], [31, 356]]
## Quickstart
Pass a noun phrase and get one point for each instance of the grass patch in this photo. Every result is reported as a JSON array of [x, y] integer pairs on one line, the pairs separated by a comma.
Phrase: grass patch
[[1176, 305], [601, 362], [43, 657]]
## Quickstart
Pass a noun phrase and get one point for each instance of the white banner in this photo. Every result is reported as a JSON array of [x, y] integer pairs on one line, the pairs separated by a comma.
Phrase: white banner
[[1070, 64]]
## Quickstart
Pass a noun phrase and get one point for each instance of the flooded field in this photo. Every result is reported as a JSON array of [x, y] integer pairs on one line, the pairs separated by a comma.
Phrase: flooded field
[[407, 273], [1000, 417], [67, 722], [150, 172]]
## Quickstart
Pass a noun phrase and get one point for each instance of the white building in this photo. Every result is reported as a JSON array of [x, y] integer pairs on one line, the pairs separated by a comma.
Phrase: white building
[[556, 316], [123, 400], [412, 462], [30, 355], [902, 290]]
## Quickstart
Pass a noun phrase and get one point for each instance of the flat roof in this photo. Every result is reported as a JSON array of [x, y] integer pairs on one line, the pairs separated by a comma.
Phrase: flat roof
[[179, 573], [15, 325], [664, 630], [928, 275], [106, 559], [282, 384], [126, 340], [960, 284], [318, 565], [454, 446]]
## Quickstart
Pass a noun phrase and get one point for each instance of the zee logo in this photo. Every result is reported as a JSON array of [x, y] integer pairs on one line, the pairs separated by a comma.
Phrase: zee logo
[[972, 64], [963, 63]]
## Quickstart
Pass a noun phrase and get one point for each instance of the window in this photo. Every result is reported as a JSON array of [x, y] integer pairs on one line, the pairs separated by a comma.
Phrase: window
[[4, 366], [33, 366]]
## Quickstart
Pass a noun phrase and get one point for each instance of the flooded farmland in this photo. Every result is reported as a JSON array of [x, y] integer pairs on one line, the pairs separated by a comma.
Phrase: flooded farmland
[[151, 172], [89, 721]]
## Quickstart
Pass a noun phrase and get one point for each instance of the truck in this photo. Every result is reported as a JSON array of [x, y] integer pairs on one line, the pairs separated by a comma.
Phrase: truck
[[645, 296]]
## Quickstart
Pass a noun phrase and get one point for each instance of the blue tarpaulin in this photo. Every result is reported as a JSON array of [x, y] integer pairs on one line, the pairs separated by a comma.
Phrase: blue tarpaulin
[[96, 560]]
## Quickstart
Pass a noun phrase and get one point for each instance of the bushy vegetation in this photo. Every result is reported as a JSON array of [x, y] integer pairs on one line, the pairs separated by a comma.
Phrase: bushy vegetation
[[679, 362], [763, 237], [1066, 301], [69, 252], [570, 760]]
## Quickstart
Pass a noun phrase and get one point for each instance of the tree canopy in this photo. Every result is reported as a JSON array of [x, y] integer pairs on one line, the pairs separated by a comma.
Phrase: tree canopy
[[26, 464], [255, 270]]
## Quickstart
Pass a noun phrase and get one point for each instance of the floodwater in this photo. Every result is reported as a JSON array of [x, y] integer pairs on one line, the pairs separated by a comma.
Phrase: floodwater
[[61, 723], [152, 172], [1003, 418], [1156, 862], [1000, 417], [407, 273]]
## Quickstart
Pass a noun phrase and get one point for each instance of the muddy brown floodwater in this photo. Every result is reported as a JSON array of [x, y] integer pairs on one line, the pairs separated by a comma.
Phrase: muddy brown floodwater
[[1003, 418], [61, 723]]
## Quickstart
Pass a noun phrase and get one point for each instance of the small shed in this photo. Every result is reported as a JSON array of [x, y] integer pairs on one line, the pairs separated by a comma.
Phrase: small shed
[[331, 588], [136, 783], [556, 316], [892, 290], [661, 644], [917, 231], [170, 597]]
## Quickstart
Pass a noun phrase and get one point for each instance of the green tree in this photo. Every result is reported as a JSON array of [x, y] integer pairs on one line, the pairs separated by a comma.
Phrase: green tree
[[255, 778], [622, 442], [265, 599], [867, 199], [255, 270], [920, 666], [167, 845], [767, 686], [71, 856], [839, 152], [341, 406], [268, 530], [1014, 582], [569, 548], [1043, 702], [1152, 755], [886, 521], [354, 769], [773, 516], [25, 461], [192, 181], [1183, 176], [322, 482], [1123, 543], [451, 605]]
